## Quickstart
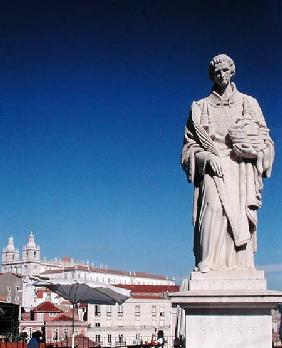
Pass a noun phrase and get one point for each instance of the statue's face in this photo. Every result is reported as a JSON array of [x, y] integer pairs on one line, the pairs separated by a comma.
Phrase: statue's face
[[222, 74]]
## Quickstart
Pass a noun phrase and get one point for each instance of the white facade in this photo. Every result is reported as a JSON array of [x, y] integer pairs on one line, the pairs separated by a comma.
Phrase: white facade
[[31, 264], [108, 276], [28, 264], [136, 321]]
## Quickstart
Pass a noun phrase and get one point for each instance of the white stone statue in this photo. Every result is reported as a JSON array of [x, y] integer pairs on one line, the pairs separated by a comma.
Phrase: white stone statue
[[227, 151]]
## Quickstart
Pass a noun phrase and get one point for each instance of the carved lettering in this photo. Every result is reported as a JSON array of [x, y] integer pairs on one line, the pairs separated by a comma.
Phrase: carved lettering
[[228, 330]]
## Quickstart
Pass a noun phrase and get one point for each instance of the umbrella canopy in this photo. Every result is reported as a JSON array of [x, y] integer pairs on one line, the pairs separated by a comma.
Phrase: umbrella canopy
[[81, 290], [84, 291]]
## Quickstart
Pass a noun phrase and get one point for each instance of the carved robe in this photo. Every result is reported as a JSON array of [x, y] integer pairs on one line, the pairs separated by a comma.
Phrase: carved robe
[[225, 208]]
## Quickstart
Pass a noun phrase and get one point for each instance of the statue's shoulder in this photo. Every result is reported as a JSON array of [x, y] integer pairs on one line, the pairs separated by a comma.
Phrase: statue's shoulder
[[253, 102], [197, 108], [200, 103]]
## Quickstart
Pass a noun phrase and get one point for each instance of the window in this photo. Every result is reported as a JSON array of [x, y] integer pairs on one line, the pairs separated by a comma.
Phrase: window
[[9, 288], [18, 288], [161, 323], [137, 311], [97, 324], [55, 334], [162, 313], [98, 338], [76, 331], [97, 310], [121, 340], [53, 314], [120, 310], [9, 299], [17, 298], [109, 311], [109, 338], [154, 311], [66, 332]]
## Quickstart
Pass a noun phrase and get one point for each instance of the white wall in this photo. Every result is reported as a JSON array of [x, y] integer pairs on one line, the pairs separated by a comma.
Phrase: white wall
[[129, 323]]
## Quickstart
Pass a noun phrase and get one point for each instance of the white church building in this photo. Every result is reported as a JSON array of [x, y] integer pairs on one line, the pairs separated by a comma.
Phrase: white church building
[[30, 263], [149, 308]]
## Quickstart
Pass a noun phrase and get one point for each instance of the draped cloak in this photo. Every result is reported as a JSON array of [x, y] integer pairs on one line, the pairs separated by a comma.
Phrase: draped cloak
[[225, 208]]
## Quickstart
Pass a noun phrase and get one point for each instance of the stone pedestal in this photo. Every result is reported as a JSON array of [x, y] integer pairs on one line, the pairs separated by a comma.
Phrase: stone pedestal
[[226, 309]]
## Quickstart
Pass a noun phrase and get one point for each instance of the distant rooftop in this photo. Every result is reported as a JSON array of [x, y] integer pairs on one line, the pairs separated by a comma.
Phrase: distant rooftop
[[46, 307], [106, 271]]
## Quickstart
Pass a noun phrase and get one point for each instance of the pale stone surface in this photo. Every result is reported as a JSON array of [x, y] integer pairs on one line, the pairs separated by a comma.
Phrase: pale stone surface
[[227, 150], [254, 274], [227, 299], [252, 330], [225, 318], [227, 284], [226, 280]]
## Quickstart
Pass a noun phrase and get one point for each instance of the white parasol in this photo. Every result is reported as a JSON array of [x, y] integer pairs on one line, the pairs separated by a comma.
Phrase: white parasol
[[83, 291]]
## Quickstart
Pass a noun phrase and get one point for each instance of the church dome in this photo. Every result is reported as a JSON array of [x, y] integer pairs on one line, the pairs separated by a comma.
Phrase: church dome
[[10, 247], [31, 243]]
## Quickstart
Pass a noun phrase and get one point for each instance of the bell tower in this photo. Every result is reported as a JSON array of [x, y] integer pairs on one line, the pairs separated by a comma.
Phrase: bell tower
[[31, 256], [10, 255]]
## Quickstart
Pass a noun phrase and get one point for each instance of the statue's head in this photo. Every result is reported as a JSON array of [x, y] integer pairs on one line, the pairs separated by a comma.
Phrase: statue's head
[[221, 69]]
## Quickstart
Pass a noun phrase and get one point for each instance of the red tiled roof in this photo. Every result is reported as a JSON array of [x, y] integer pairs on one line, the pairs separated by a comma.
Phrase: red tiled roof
[[62, 317], [80, 341], [41, 292], [149, 291], [46, 307], [149, 288], [148, 297], [66, 259]]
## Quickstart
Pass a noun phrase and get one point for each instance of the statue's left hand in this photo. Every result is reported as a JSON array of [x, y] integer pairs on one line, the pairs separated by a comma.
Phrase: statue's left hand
[[245, 150]]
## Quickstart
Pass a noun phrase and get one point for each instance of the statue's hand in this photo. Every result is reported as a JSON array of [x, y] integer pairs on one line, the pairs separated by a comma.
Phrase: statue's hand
[[215, 165], [246, 150]]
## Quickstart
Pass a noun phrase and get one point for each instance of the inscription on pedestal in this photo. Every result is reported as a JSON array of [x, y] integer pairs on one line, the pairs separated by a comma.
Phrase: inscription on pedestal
[[221, 331], [228, 330]]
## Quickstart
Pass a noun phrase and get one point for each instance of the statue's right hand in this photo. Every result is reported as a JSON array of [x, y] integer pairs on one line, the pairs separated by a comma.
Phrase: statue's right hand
[[215, 165]]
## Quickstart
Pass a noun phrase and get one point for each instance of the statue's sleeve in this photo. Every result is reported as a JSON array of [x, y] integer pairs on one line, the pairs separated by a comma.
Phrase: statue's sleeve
[[266, 157], [194, 157], [257, 110]]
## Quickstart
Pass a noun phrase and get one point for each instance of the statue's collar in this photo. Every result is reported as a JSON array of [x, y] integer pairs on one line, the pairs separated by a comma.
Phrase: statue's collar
[[216, 100]]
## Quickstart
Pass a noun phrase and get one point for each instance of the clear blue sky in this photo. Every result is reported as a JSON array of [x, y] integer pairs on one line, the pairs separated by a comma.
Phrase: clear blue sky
[[94, 96]]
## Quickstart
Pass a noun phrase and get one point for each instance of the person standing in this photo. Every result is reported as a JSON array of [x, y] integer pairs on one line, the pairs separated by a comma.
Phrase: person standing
[[34, 342]]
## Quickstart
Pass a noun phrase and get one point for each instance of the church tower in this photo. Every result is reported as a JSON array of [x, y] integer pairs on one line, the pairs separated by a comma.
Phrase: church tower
[[10, 253], [31, 256]]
